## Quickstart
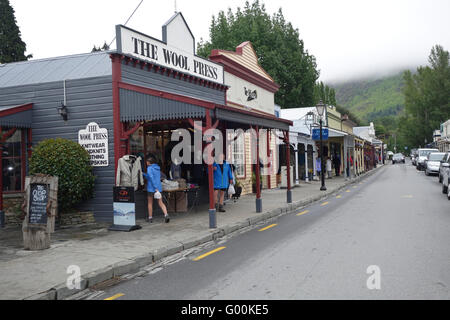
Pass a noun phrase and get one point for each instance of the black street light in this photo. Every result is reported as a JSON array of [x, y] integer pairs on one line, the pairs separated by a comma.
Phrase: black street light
[[320, 110]]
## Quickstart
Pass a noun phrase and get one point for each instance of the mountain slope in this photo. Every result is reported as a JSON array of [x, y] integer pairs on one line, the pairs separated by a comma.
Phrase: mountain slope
[[370, 100]]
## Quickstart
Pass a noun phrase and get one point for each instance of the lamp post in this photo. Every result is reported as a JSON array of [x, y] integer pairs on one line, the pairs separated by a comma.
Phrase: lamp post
[[320, 110]]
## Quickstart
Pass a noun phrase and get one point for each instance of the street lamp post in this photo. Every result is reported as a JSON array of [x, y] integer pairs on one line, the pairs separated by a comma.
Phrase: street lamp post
[[320, 110]]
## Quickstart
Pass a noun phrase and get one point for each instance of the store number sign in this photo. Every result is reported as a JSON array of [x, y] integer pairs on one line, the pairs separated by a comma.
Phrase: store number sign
[[95, 141]]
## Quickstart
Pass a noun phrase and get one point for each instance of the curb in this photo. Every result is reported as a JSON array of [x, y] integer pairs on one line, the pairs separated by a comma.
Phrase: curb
[[133, 265]]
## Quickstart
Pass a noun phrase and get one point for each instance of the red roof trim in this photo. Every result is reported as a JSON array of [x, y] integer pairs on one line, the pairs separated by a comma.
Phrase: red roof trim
[[17, 109]]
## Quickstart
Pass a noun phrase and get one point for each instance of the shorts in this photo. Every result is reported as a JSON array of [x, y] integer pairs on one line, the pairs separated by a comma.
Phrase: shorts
[[150, 194], [220, 189]]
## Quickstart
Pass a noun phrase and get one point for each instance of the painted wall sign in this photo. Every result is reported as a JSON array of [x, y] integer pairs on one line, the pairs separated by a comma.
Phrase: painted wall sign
[[145, 48], [250, 94], [95, 140]]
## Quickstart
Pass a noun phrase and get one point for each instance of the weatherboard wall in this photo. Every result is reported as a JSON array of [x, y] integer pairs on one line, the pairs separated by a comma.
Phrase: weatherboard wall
[[88, 100]]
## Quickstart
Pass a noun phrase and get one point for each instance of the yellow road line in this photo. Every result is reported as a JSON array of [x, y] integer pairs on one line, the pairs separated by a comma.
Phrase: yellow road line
[[302, 213], [267, 228], [348, 191], [324, 204], [338, 197], [209, 253], [115, 297]]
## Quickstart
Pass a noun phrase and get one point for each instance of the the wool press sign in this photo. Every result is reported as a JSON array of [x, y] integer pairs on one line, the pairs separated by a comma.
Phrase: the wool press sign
[[148, 49], [95, 141]]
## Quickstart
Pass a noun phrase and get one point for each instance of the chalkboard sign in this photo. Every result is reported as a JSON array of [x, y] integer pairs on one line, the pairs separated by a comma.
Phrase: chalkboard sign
[[39, 195]]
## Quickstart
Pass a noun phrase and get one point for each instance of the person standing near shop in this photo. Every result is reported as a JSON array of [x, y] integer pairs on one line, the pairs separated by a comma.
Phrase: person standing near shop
[[223, 177], [154, 188], [329, 170], [318, 166], [337, 164]]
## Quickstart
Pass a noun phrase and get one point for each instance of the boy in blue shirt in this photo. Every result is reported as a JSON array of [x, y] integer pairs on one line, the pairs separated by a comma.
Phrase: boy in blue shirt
[[154, 185]]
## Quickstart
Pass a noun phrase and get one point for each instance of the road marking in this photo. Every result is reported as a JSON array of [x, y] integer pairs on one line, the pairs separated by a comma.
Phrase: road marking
[[324, 204], [348, 191], [408, 197], [115, 297], [354, 187], [302, 213], [267, 228], [209, 253], [338, 197]]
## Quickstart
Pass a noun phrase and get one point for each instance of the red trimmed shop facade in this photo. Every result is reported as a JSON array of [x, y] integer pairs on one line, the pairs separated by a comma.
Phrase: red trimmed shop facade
[[139, 94]]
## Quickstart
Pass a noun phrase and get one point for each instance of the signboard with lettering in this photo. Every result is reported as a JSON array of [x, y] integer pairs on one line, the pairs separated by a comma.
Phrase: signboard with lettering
[[316, 134], [146, 48], [95, 140], [124, 206], [39, 194]]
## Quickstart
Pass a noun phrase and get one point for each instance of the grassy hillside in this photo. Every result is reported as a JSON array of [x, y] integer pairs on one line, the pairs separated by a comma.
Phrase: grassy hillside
[[370, 100]]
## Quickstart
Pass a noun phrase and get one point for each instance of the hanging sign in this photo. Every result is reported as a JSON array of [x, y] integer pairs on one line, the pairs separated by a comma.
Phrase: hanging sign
[[95, 141], [316, 134]]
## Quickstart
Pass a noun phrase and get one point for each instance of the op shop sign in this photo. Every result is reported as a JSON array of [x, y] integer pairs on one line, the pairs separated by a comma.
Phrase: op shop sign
[[145, 48], [95, 141]]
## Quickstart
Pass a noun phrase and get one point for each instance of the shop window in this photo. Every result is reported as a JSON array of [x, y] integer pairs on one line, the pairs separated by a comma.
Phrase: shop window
[[239, 156], [12, 162]]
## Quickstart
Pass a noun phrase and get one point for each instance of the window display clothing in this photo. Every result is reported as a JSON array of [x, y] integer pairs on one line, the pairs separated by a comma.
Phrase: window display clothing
[[129, 172]]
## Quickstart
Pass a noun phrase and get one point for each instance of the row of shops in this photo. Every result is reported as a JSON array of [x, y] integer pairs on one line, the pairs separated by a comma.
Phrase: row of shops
[[137, 98]]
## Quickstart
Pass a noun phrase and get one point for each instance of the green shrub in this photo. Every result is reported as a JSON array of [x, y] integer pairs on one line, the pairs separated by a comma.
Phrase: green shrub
[[70, 162]]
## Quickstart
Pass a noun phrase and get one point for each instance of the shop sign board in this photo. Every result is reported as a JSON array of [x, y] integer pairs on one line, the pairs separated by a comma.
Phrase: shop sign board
[[316, 134], [143, 47], [124, 206], [39, 194], [95, 141]]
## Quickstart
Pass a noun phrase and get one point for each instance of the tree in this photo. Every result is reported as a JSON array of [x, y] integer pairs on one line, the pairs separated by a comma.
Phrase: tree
[[12, 48], [277, 44], [105, 47], [427, 99]]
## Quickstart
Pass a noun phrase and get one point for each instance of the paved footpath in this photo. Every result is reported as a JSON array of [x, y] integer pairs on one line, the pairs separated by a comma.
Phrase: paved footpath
[[102, 255]]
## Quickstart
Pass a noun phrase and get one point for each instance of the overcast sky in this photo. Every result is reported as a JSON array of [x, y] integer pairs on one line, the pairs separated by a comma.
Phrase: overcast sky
[[349, 38]]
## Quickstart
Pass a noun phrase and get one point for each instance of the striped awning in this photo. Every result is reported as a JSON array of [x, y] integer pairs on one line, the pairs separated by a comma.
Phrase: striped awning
[[16, 116]]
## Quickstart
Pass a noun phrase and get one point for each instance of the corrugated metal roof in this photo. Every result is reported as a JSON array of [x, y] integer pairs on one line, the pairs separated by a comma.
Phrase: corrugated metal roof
[[79, 66]]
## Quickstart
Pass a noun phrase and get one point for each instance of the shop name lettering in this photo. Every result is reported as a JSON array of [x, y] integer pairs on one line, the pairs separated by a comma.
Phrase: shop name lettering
[[40, 194], [150, 51]]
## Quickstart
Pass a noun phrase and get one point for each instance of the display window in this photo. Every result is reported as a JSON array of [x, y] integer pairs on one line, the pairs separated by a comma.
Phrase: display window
[[12, 159]]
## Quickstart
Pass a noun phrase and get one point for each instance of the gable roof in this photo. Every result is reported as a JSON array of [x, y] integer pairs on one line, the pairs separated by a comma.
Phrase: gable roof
[[79, 66], [246, 56]]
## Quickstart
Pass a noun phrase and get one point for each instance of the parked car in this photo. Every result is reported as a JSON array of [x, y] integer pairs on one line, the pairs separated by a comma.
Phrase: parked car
[[414, 156], [441, 167], [423, 155], [397, 158], [446, 179], [433, 162]]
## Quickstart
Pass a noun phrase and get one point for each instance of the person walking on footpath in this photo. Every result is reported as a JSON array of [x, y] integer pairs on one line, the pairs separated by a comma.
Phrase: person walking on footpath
[[223, 177], [154, 188], [318, 167], [329, 169]]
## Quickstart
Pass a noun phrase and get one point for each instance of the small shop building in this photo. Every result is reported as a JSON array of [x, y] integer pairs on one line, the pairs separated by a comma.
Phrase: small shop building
[[138, 95]]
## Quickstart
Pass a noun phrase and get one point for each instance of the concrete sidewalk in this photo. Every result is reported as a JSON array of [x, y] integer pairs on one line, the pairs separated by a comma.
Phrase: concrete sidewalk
[[103, 255]]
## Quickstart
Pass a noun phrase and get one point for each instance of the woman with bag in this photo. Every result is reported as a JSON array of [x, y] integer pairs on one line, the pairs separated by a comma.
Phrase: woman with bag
[[154, 188]]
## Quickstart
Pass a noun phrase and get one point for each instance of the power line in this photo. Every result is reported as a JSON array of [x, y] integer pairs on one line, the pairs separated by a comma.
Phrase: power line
[[128, 19]]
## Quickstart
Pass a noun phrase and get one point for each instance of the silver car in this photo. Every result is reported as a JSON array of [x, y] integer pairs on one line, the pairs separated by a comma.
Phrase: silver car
[[441, 168], [422, 156], [433, 163], [446, 179]]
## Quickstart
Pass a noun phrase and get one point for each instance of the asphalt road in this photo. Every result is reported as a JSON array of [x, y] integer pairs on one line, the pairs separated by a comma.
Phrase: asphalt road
[[396, 220]]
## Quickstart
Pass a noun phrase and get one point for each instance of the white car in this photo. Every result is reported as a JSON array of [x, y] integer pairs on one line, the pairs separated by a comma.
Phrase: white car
[[422, 156], [433, 162]]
